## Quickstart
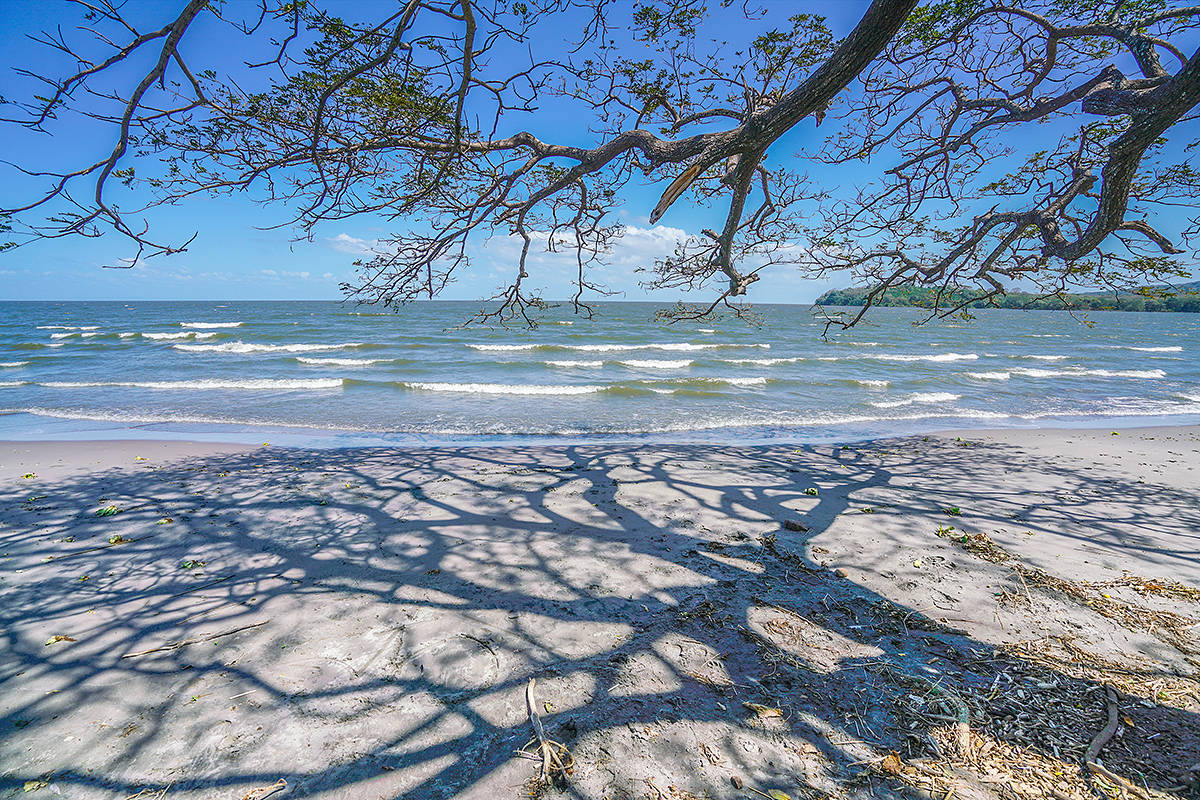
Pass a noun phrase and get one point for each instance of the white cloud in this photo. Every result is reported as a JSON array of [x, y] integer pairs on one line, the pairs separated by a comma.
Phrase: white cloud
[[345, 243], [285, 273]]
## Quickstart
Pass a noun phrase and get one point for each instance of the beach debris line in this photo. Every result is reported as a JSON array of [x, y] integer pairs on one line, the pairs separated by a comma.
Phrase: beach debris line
[[1173, 629], [961, 713], [556, 760]]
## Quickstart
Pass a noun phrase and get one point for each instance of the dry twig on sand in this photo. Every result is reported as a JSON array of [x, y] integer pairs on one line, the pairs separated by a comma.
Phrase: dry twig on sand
[[197, 640], [151, 794], [265, 791]]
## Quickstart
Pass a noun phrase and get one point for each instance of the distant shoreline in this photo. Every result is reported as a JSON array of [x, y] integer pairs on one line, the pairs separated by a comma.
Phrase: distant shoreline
[[1181, 299]]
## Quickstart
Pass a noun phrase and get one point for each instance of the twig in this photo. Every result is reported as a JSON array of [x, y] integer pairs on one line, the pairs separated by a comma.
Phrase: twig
[[556, 758], [1110, 729], [1101, 739], [186, 642], [196, 588], [159, 794], [482, 643], [265, 791]]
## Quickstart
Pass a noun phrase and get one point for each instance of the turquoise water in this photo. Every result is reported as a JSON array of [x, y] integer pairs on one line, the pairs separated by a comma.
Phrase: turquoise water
[[327, 373]]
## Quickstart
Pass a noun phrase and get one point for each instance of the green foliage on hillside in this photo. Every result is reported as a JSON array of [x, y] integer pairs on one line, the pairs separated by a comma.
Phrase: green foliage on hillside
[[1157, 298]]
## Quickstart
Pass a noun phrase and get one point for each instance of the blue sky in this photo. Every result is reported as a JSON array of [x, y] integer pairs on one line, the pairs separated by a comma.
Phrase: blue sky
[[236, 256], [233, 257]]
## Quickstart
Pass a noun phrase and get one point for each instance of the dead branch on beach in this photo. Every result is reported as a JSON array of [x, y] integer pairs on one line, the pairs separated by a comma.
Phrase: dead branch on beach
[[557, 762], [197, 640]]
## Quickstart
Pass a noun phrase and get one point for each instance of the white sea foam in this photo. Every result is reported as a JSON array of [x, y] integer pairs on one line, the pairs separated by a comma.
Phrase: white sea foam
[[938, 357], [210, 324], [651, 364], [262, 383], [991, 376], [14, 363], [62, 335], [870, 382], [1044, 358], [609, 348], [246, 347], [11, 384], [142, 418], [1171, 349], [128, 335], [501, 388], [184, 335], [1127, 373], [574, 363], [194, 335], [342, 362], [1101, 373], [705, 330], [757, 381], [88, 335], [921, 397], [763, 362]]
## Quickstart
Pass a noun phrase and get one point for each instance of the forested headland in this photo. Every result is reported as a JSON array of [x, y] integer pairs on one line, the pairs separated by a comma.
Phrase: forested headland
[[1161, 298]]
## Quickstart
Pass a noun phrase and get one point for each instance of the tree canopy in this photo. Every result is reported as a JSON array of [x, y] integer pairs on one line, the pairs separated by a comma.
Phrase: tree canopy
[[1041, 143]]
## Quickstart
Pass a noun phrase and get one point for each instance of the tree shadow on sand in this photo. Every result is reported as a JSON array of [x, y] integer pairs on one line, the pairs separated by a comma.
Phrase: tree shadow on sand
[[684, 643]]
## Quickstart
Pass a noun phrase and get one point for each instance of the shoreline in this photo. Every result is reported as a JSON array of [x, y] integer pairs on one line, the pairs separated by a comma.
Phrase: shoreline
[[363, 622], [72, 429]]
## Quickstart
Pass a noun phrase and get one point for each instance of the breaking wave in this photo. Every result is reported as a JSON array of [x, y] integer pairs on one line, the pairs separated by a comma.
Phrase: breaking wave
[[610, 348], [245, 347], [263, 383], [342, 362], [921, 397]]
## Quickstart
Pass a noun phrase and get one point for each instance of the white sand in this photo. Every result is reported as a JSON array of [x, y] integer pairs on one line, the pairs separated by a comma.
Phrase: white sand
[[409, 595]]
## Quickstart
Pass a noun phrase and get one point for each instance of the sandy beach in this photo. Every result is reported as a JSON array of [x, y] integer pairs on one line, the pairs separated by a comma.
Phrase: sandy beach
[[972, 611]]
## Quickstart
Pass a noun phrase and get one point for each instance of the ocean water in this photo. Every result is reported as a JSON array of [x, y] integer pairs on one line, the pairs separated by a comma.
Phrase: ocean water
[[325, 373]]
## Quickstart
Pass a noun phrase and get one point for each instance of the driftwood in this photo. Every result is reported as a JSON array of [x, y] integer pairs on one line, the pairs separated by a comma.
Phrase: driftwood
[[265, 791], [1090, 758], [556, 759]]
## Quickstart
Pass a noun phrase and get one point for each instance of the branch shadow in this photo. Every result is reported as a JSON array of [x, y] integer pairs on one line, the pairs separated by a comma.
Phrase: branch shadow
[[680, 638]]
